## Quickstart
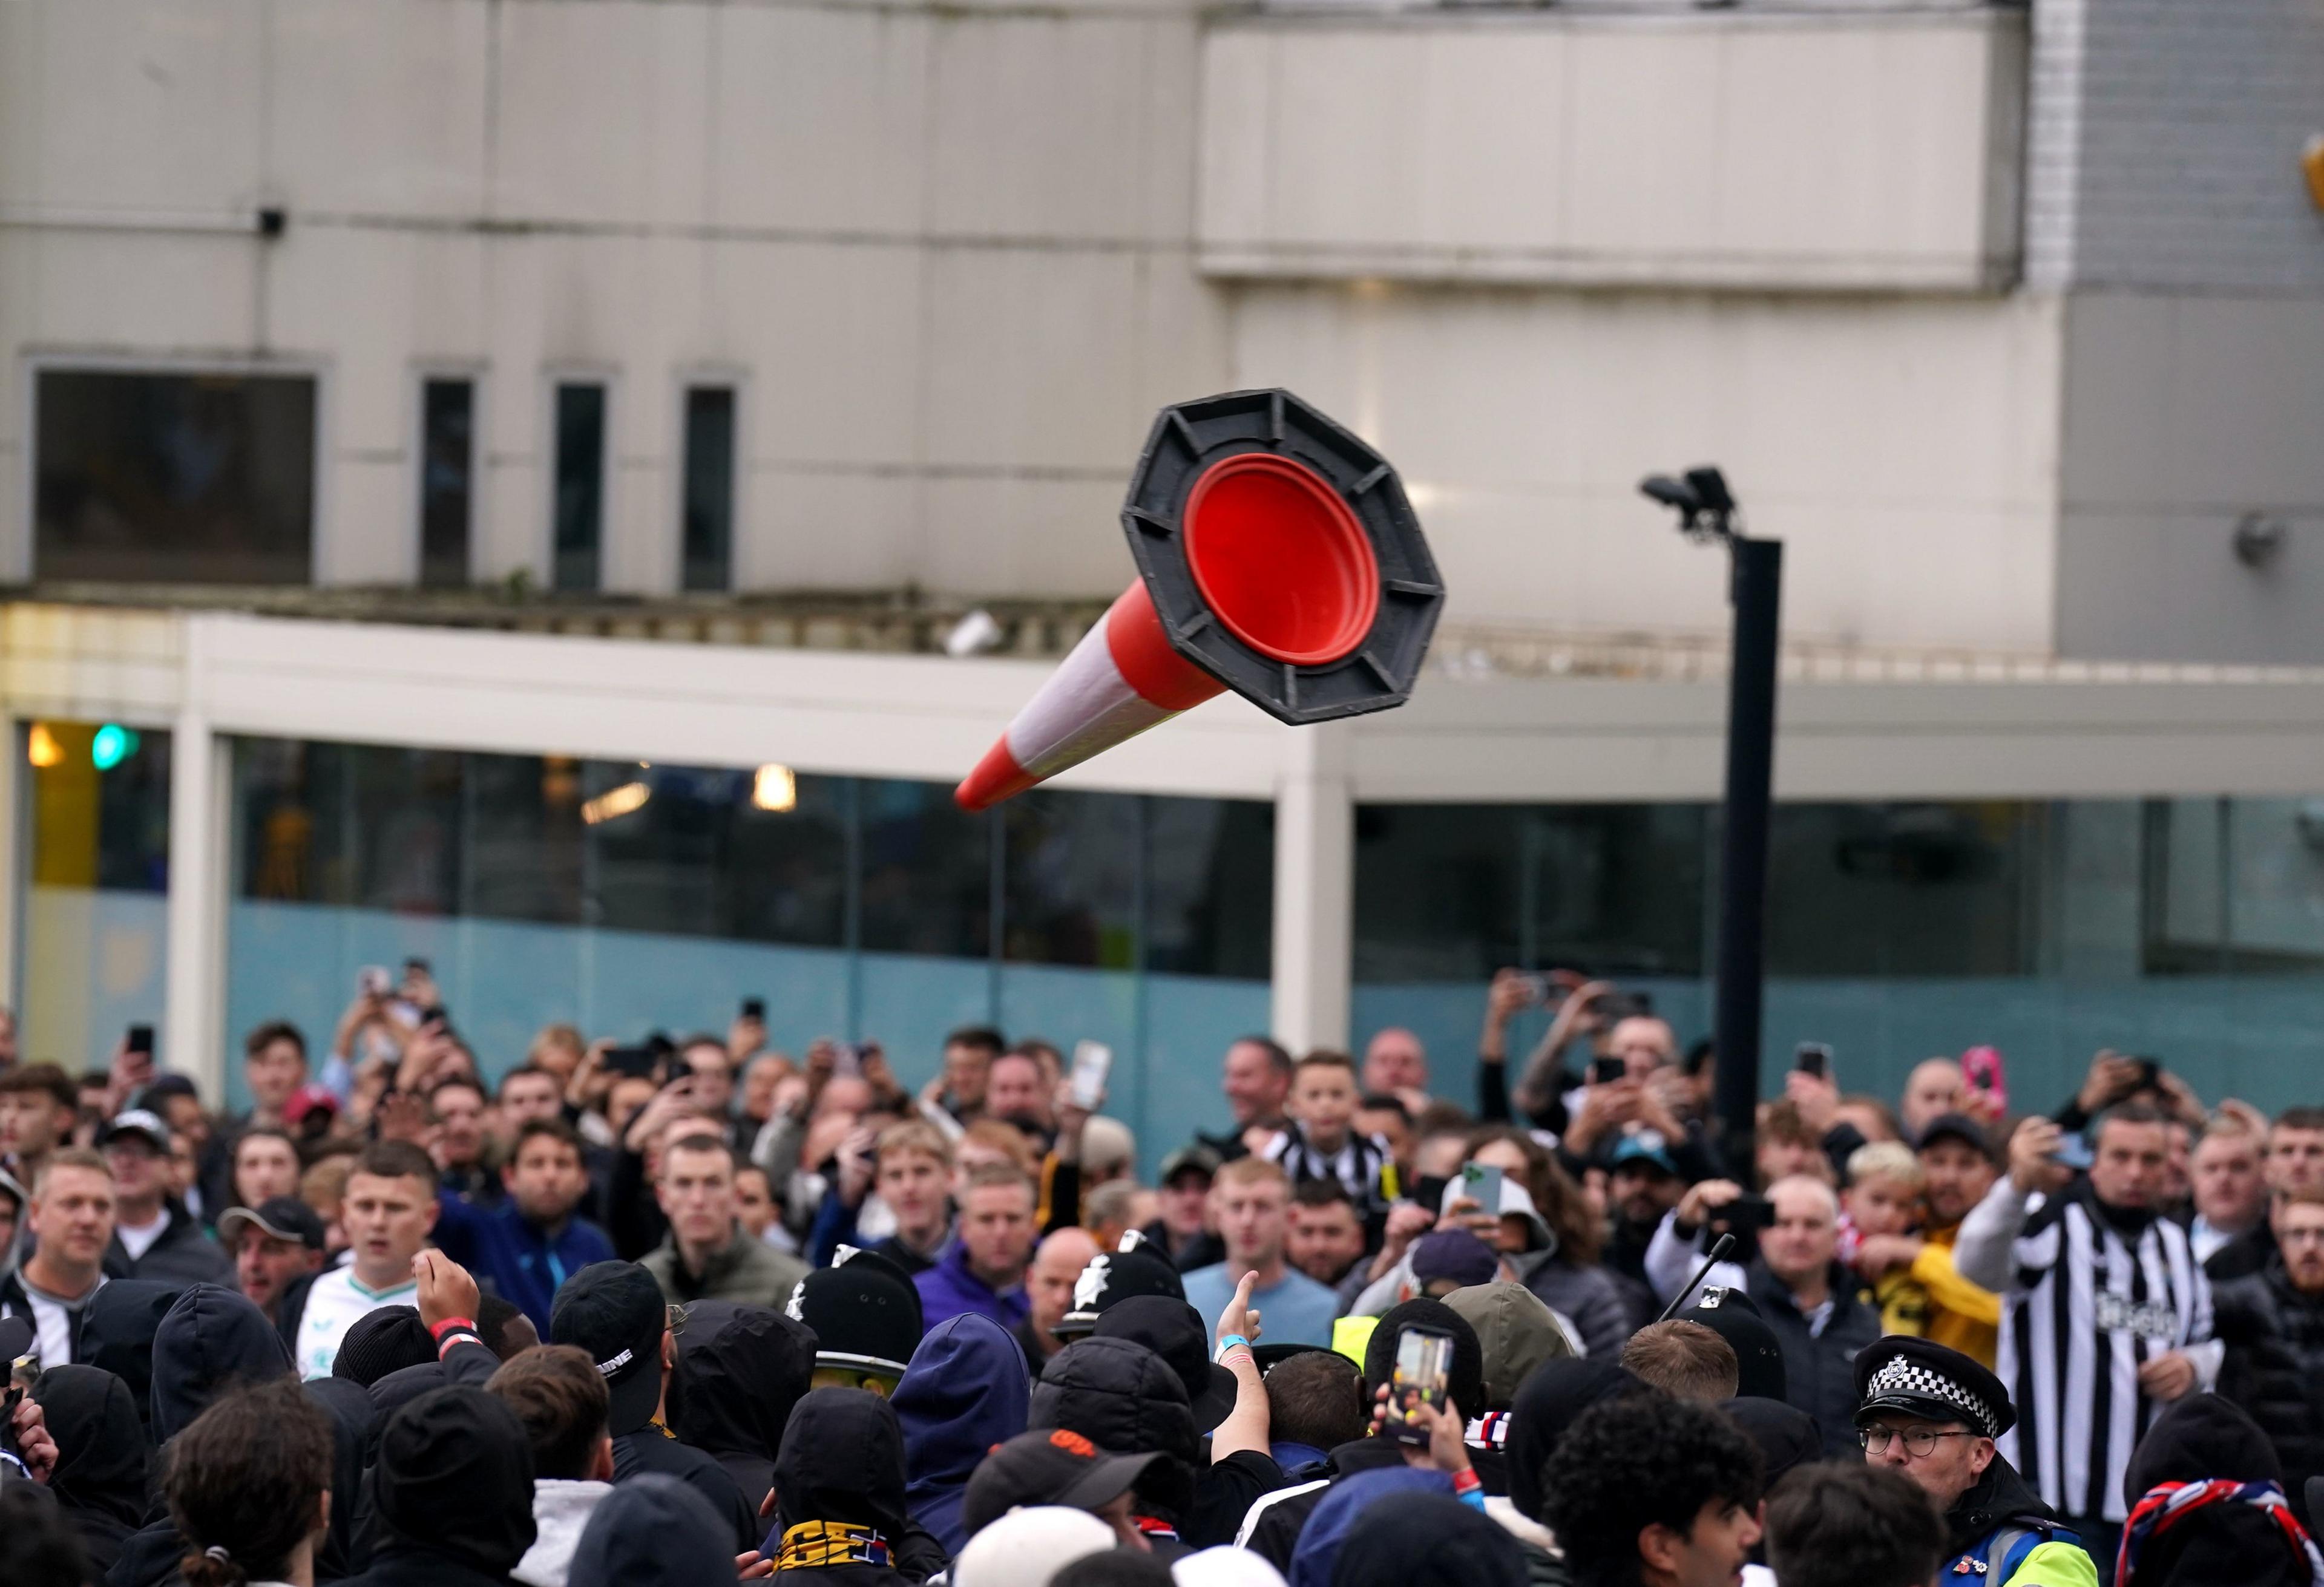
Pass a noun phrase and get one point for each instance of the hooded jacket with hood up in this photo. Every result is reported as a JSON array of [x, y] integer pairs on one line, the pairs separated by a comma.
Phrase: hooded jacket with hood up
[[101, 1481], [452, 1494], [2196, 1439], [208, 1341], [1124, 1398], [964, 1392], [839, 1494], [650, 1532], [740, 1369]]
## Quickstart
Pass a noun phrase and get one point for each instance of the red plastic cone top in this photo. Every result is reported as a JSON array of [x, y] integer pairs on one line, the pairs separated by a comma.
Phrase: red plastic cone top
[[1277, 556]]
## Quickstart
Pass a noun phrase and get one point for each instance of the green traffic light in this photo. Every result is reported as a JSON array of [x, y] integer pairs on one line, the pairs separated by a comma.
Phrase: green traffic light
[[111, 744]]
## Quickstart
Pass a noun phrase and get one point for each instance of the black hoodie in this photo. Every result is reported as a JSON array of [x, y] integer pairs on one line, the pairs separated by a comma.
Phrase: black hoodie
[[740, 1369], [839, 1491], [1550, 1400], [116, 1335], [209, 1340], [652, 1532], [102, 1482], [2194, 1440], [354, 1423], [453, 1492]]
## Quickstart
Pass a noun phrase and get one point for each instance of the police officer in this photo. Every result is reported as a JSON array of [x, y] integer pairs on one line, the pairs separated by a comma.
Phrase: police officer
[[1933, 1414]]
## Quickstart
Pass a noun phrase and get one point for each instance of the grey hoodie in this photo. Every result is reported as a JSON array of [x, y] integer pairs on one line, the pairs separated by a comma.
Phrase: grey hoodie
[[560, 1508]]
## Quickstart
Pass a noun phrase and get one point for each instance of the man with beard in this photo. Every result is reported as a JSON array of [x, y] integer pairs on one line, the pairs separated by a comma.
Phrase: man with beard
[[1933, 1414]]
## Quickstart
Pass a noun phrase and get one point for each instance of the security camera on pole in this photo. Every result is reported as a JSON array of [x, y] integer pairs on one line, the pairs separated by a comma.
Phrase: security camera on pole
[[1277, 556], [1708, 513]]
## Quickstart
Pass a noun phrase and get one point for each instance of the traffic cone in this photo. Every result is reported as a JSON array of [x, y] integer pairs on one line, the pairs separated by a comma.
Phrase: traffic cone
[[1277, 556]]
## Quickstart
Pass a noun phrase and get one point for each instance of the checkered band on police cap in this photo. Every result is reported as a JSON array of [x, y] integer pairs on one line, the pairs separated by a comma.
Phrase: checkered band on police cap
[[1905, 1379]]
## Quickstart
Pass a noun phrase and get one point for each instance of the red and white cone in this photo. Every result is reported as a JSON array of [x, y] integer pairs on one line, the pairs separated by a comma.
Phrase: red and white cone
[[1121, 680], [1269, 569]]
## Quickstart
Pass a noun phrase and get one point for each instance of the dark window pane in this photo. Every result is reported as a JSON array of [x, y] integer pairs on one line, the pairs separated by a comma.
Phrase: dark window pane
[[447, 480], [175, 478], [1447, 892], [689, 850], [100, 812], [580, 485], [928, 872], [1071, 888], [1905, 890], [1210, 888], [709, 487]]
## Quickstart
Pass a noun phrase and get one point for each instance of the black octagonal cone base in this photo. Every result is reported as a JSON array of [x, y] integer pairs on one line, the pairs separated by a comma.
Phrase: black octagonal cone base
[[1188, 442]]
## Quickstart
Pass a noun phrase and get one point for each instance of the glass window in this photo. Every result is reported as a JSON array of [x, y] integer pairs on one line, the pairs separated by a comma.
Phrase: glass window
[[1456, 891], [709, 488], [580, 500], [95, 914], [447, 480], [153, 477], [1907, 889], [1071, 870], [927, 871], [706, 852], [1210, 886]]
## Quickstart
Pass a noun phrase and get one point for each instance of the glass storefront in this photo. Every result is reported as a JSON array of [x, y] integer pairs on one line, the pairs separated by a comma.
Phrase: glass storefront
[[627, 897], [95, 916], [2189, 929]]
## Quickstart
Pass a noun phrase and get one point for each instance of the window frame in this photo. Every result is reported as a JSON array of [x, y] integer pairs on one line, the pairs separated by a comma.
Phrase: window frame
[[608, 378]]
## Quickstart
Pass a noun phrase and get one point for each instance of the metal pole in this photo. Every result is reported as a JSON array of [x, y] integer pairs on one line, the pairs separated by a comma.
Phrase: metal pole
[[1756, 594]]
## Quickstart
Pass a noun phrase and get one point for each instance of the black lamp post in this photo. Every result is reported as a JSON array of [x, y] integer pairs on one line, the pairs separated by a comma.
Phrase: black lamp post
[[1708, 513]]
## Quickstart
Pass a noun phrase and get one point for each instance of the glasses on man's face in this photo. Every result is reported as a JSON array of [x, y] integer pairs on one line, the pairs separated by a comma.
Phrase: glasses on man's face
[[1920, 1442]]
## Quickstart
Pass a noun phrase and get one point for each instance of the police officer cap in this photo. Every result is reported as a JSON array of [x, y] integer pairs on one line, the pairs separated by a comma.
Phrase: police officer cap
[[1903, 1376]]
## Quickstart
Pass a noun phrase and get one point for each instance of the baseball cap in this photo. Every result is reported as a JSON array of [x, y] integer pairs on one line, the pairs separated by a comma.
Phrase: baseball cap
[[1645, 1146], [1054, 1466], [282, 1217], [614, 1311], [1955, 1126], [1455, 1254], [310, 1098], [1202, 1159], [137, 1121]]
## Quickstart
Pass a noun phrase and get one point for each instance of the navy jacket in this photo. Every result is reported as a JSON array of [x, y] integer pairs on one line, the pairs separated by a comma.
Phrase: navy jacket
[[524, 1264]]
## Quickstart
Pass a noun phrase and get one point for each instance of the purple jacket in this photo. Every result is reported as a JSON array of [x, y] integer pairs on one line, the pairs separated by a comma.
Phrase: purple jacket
[[949, 1290]]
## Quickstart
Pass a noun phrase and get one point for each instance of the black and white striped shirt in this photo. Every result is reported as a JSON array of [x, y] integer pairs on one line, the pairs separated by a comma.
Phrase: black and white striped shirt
[[1356, 1165], [2087, 1304]]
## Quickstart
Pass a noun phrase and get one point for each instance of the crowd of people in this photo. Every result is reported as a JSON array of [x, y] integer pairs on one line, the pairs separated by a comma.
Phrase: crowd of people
[[696, 1311]]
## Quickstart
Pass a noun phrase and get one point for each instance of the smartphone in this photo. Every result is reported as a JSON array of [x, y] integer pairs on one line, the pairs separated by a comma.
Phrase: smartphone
[[850, 1060], [1537, 987], [1981, 1068], [2149, 1071], [1092, 1062], [141, 1039], [1605, 1071], [2074, 1152], [8, 1403], [1423, 1376], [755, 1008], [632, 1060], [1813, 1058], [373, 981], [1482, 1183], [1747, 1212]]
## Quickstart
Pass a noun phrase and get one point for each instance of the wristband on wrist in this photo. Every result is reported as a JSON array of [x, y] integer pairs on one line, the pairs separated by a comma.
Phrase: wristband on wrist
[[467, 1324], [1466, 1479], [1228, 1342]]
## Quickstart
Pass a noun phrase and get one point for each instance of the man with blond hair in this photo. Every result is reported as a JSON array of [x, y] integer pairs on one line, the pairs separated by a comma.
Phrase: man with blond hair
[[1250, 1201], [70, 1218], [901, 1177]]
